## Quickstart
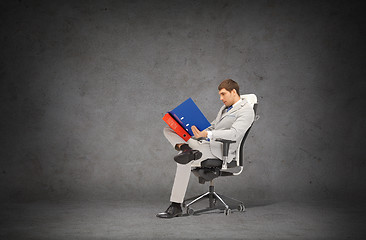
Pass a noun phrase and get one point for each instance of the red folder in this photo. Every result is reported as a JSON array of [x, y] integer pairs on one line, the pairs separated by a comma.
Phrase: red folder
[[176, 127]]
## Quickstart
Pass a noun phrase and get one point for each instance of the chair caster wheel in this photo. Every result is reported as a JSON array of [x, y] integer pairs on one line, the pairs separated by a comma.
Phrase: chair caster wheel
[[190, 211], [241, 208], [227, 211]]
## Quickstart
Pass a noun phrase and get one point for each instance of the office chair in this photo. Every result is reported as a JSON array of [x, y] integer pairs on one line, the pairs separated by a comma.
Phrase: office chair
[[210, 169]]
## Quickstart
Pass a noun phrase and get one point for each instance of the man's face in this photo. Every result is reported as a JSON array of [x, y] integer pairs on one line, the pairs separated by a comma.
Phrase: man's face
[[227, 97]]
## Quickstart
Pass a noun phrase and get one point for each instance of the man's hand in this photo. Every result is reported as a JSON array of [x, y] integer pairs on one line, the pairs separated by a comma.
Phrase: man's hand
[[197, 133]]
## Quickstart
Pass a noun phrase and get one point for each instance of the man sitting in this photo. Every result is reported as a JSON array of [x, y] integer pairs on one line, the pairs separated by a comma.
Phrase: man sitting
[[232, 121]]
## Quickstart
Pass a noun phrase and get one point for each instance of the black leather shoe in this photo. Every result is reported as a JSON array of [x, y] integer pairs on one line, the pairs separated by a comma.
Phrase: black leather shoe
[[172, 211], [187, 155]]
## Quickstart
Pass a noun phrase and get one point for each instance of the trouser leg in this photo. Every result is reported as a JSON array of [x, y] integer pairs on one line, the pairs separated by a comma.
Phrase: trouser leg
[[172, 137], [175, 139], [183, 171], [180, 182]]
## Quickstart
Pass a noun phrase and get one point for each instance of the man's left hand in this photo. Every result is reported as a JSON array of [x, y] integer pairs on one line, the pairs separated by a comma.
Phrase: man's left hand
[[197, 133]]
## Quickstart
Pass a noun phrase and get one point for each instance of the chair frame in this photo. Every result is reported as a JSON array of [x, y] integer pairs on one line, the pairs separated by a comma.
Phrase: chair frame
[[227, 203]]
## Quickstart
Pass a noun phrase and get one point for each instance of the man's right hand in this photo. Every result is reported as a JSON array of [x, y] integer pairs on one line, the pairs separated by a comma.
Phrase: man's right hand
[[197, 133]]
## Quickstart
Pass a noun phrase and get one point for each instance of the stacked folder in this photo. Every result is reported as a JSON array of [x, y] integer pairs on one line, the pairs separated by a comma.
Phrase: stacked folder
[[183, 117]]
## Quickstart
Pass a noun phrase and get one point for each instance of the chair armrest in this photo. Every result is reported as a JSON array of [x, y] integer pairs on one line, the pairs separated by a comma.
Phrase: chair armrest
[[226, 145], [225, 151]]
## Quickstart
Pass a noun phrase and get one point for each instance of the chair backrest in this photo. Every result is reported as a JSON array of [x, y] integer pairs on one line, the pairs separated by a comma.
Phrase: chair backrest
[[252, 100], [210, 168]]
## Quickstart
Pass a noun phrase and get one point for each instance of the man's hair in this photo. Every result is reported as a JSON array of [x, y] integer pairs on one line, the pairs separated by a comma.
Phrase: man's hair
[[229, 85]]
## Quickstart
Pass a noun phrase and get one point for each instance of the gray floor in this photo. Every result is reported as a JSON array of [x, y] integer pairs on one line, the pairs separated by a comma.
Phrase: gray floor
[[136, 220]]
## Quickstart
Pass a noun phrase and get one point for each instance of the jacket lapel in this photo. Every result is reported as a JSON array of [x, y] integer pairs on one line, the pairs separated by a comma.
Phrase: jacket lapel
[[220, 115]]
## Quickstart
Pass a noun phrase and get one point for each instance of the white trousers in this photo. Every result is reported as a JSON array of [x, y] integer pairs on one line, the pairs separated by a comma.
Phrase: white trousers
[[184, 170]]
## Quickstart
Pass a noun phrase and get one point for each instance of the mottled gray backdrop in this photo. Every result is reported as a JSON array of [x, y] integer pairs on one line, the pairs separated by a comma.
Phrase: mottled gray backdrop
[[84, 85]]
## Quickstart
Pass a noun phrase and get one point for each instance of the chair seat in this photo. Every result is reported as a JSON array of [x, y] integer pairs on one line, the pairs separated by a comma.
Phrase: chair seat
[[216, 163], [211, 169], [211, 163]]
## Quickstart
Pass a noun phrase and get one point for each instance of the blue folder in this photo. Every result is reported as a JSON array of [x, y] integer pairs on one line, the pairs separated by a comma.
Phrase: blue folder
[[188, 114]]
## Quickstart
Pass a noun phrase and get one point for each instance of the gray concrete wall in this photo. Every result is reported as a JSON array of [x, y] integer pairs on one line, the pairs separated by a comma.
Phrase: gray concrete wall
[[84, 85]]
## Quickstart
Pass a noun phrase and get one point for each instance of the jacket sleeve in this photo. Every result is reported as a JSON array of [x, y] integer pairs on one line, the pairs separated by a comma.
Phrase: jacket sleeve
[[212, 125], [243, 121]]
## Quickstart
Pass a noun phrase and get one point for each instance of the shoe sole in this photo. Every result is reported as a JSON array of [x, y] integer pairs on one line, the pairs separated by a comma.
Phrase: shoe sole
[[186, 158], [166, 216]]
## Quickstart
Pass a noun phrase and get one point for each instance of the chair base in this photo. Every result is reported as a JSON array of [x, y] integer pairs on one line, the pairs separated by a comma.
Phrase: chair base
[[227, 203]]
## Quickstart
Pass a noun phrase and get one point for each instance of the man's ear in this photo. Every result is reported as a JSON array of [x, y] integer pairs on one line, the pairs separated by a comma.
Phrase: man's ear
[[234, 91]]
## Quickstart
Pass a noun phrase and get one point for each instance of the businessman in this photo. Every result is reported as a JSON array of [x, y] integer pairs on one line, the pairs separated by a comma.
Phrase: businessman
[[232, 121]]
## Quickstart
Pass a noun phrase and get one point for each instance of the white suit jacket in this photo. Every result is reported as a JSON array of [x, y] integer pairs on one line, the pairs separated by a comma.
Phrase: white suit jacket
[[231, 125]]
